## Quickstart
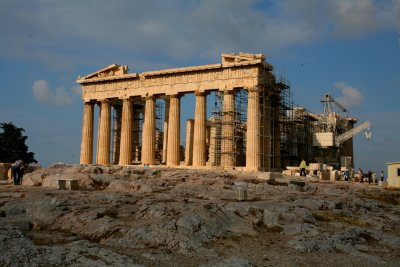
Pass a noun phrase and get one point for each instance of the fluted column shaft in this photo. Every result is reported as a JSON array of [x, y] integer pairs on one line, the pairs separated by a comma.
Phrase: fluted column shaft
[[199, 140], [228, 130], [148, 137], [87, 134], [103, 153], [253, 128], [173, 146], [125, 154]]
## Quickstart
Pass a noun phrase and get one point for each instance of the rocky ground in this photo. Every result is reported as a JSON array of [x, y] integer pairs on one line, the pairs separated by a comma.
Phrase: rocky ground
[[132, 216]]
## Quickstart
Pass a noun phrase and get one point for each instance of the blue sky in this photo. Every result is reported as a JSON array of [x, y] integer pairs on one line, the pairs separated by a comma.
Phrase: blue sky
[[350, 48]]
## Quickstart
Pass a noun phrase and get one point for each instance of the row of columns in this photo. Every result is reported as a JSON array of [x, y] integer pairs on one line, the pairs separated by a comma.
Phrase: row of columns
[[171, 149], [148, 136]]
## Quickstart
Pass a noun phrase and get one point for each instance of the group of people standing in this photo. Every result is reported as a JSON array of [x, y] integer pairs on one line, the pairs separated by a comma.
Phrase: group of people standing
[[347, 175], [371, 176]]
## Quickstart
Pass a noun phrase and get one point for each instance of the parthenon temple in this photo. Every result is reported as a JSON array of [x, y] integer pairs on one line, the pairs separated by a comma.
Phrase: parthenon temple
[[247, 126], [222, 141]]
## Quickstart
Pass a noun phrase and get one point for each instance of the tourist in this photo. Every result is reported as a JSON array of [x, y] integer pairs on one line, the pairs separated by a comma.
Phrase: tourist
[[303, 166], [360, 175], [369, 177], [346, 175], [382, 176], [18, 171]]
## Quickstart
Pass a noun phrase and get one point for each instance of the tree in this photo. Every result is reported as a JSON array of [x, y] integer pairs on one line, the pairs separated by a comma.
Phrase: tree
[[12, 144]]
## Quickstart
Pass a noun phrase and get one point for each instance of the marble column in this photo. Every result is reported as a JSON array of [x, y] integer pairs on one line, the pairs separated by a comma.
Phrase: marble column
[[173, 146], [165, 140], [103, 140], [199, 140], [125, 154], [228, 130], [253, 128], [87, 134], [148, 136]]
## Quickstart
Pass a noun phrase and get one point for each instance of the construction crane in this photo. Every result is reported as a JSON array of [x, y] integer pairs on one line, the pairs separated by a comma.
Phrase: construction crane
[[350, 133], [329, 136], [329, 114], [328, 100]]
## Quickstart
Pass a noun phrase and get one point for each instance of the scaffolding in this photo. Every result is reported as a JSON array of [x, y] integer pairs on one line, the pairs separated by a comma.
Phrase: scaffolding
[[263, 117], [240, 122], [235, 120], [116, 114], [159, 126], [286, 124], [138, 111], [215, 131]]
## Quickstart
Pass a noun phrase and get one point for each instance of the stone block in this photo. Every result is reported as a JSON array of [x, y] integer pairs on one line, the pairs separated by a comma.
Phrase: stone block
[[62, 184], [5, 171], [334, 175], [297, 182], [269, 176], [73, 185], [323, 175], [315, 166]]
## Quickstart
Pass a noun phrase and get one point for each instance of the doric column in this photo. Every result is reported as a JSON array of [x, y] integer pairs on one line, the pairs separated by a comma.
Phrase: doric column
[[87, 134], [103, 141], [199, 140], [165, 141], [148, 136], [125, 154], [173, 146], [253, 128], [228, 130]]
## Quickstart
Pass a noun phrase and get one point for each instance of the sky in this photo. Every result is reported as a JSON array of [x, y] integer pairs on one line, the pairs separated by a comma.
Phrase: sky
[[348, 48]]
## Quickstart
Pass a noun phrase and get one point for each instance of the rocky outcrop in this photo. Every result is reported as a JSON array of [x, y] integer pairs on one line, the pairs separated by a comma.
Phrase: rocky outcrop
[[133, 216]]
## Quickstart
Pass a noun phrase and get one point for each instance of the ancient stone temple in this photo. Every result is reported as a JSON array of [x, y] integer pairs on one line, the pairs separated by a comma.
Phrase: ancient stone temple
[[128, 130]]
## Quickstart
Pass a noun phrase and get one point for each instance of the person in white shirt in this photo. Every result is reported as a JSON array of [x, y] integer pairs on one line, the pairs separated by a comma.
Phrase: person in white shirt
[[18, 171]]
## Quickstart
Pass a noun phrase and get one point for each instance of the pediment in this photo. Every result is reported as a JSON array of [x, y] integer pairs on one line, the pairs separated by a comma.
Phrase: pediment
[[112, 70], [235, 58]]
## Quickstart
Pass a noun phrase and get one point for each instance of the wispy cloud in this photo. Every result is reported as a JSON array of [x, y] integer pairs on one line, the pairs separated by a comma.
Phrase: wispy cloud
[[58, 97], [351, 97], [188, 29]]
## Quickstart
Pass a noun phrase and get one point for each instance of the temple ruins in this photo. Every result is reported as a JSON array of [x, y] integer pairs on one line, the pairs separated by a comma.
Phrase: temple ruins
[[250, 125]]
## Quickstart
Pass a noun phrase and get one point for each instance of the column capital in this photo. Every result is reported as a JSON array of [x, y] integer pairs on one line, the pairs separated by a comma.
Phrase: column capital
[[149, 97], [126, 99], [228, 90], [253, 89], [199, 93], [173, 96]]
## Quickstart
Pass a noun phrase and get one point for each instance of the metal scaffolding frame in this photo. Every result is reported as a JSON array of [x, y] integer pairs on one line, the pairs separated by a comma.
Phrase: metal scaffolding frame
[[238, 123], [137, 129], [159, 129]]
